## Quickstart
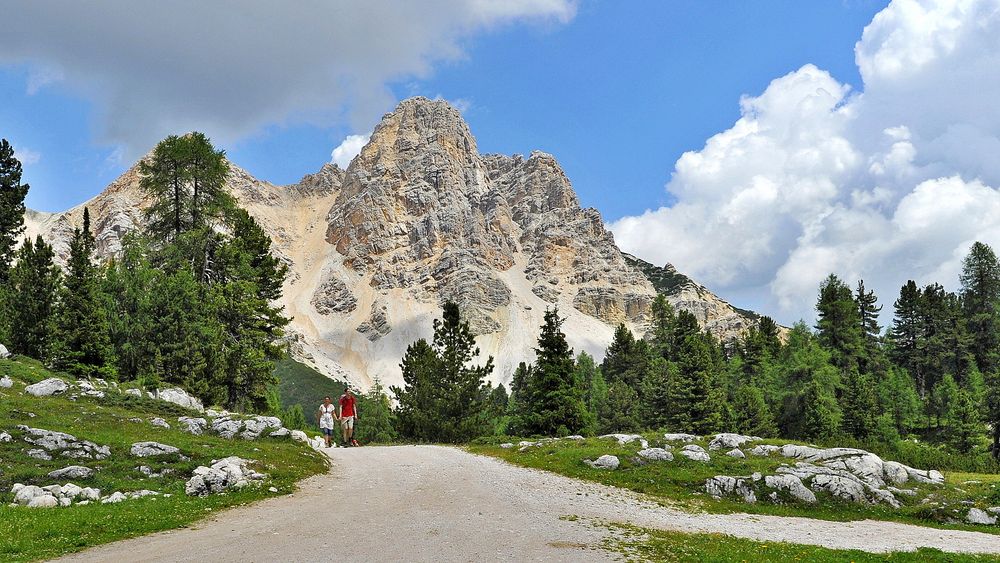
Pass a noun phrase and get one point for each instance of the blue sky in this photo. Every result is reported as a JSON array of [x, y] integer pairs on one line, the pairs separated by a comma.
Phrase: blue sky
[[617, 94], [757, 146]]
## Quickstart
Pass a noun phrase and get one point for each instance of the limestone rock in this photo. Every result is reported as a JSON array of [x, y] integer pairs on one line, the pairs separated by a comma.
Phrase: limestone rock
[[604, 462], [151, 449], [299, 436], [48, 387], [43, 501], [160, 423], [231, 472], [4, 353], [656, 454], [74, 472], [178, 396], [680, 437], [194, 426], [792, 485], [333, 296], [695, 453], [5, 438], [729, 441], [722, 485], [65, 444], [737, 453], [377, 324], [39, 454], [979, 516], [6, 382]]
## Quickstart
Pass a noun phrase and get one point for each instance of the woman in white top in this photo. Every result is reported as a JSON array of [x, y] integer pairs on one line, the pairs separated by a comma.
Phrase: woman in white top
[[325, 416]]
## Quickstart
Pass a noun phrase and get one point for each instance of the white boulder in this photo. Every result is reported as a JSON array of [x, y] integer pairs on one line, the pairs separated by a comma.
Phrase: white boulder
[[736, 453], [231, 472], [979, 516], [695, 453], [299, 436], [160, 423], [792, 485], [178, 396], [191, 425], [729, 441], [43, 501], [627, 439], [6, 382], [4, 353], [72, 472], [5, 438], [604, 462], [48, 387], [65, 444], [656, 454], [675, 437], [722, 485], [149, 449]]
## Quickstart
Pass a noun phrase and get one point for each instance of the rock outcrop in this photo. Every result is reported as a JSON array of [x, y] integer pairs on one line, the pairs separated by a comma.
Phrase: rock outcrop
[[231, 472]]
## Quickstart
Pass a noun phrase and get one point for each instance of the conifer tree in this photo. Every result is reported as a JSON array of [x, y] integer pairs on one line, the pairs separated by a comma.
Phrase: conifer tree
[[655, 396], [620, 412], [868, 312], [663, 321], [12, 194], [378, 420], [696, 404], [859, 405], [992, 403], [463, 413], [906, 333], [128, 302], [555, 404], [33, 292], [620, 357], [965, 423], [418, 399], [898, 397], [839, 323], [820, 414], [943, 399], [82, 343], [980, 295], [751, 415]]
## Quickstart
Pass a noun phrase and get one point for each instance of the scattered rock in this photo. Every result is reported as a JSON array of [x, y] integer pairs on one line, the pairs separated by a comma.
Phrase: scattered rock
[[148, 471], [160, 423], [656, 454], [74, 472], [764, 450], [178, 396], [5, 438], [40, 454], [231, 472], [280, 433], [737, 453], [680, 437], [627, 438], [729, 441], [299, 436], [194, 426], [65, 444], [978, 516], [254, 427], [134, 392], [6, 382], [604, 462], [149, 449], [695, 453], [43, 501], [791, 484], [722, 485], [48, 387], [226, 427], [114, 498], [507, 446], [4, 353]]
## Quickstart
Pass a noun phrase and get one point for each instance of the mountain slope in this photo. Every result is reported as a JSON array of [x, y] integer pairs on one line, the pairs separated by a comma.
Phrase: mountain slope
[[418, 218]]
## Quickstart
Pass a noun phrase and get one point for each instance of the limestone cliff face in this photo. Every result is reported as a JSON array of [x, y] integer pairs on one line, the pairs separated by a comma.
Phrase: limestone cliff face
[[418, 218]]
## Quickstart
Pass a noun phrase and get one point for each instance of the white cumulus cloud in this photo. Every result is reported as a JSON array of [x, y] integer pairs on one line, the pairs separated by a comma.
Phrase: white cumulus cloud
[[348, 149], [231, 67], [889, 182]]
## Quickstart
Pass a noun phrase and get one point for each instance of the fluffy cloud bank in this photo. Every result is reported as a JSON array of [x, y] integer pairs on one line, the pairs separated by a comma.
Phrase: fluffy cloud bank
[[229, 67], [888, 183]]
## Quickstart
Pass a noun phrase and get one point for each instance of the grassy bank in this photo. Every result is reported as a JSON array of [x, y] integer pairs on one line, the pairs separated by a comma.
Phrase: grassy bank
[[118, 421], [681, 483], [302, 385]]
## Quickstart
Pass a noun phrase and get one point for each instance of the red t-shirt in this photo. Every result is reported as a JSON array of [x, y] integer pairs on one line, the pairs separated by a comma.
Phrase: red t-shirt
[[347, 405]]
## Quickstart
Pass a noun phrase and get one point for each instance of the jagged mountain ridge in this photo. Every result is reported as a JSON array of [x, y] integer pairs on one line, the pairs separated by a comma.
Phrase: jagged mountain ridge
[[420, 217]]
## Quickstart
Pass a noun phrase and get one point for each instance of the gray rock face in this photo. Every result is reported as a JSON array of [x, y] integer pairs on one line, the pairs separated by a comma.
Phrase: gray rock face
[[194, 426], [64, 444], [47, 388], [332, 296], [656, 454], [792, 485], [979, 516], [695, 453], [231, 472], [74, 472], [377, 324], [178, 396], [727, 441], [150, 449], [609, 462]]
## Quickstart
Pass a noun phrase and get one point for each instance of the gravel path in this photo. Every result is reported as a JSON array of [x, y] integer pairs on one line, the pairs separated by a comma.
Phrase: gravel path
[[423, 503]]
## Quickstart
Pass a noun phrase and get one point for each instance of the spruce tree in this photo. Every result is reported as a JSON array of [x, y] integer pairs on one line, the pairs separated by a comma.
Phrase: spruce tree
[[751, 415], [696, 403], [129, 305], [656, 397], [859, 405], [464, 386], [980, 296], [418, 399], [839, 323], [555, 404], [868, 312], [663, 321], [965, 425], [620, 412], [12, 194], [944, 397], [620, 357], [992, 403], [820, 414], [33, 292], [82, 343], [378, 420], [898, 398], [906, 333]]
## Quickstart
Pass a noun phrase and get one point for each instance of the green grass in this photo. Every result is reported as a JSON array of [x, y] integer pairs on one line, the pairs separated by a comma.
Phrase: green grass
[[301, 385], [30, 534], [637, 544], [680, 483]]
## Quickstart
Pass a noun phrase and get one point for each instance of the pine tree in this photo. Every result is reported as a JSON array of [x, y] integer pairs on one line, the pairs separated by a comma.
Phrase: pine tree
[[868, 312], [663, 321], [980, 296], [620, 412], [751, 414], [555, 405], [12, 194], [377, 426], [128, 302], [418, 398], [82, 343], [906, 333], [656, 398], [820, 414], [898, 398], [943, 399], [839, 324], [859, 405], [33, 292], [464, 408], [620, 357], [965, 423], [696, 405]]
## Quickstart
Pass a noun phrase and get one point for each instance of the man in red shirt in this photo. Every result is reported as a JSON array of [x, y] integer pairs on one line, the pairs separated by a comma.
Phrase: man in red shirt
[[347, 412]]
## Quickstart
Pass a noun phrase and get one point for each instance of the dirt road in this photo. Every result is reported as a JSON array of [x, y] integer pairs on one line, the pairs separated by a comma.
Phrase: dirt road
[[424, 503]]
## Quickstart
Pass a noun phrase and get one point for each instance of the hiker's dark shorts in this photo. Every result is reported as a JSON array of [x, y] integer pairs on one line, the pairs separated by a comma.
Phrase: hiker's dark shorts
[[326, 431]]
